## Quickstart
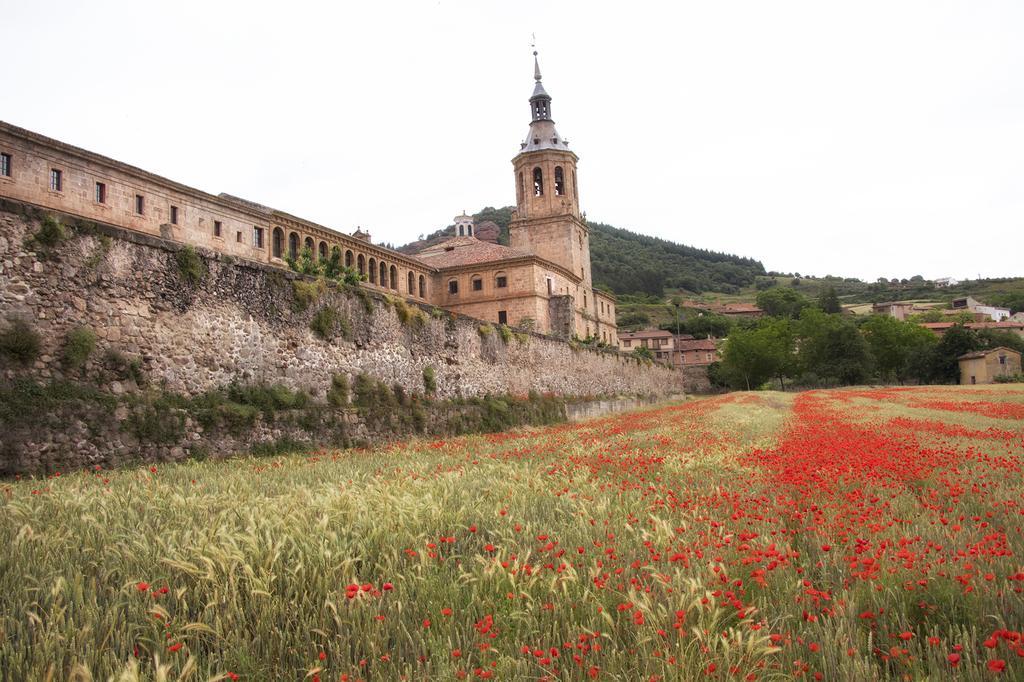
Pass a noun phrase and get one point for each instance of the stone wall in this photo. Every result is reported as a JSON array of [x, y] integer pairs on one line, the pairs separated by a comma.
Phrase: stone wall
[[695, 379], [246, 323]]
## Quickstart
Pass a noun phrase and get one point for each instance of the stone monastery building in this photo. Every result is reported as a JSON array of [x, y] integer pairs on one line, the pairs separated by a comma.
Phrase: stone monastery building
[[542, 278]]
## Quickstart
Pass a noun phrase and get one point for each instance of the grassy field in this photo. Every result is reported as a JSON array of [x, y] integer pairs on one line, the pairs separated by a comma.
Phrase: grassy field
[[836, 535]]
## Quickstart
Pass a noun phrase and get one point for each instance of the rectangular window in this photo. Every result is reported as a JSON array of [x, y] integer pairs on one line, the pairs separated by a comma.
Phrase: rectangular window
[[216, 228], [56, 180], [1002, 359], [5, 165], [501, 282], [140, 204], [238, 236], [257, 237], [478, 285], [502, 317], [453, 287], [101, 193], [174, 215], [626, 343], [551, 286]]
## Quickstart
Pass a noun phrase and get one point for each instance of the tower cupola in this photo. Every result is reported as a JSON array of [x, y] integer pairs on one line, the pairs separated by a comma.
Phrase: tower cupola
[[542, 133], [464, 226]]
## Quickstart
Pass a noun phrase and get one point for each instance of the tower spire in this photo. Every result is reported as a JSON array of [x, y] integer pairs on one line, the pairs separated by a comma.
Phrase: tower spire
[[540, 100], [542, 133]]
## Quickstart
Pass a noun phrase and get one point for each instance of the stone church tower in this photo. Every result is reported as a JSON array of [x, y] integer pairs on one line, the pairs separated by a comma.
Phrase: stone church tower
[[547, 219]]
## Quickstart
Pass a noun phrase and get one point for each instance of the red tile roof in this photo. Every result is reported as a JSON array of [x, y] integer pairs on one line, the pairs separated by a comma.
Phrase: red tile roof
[[974, 325], [697, 344], [467, 251]]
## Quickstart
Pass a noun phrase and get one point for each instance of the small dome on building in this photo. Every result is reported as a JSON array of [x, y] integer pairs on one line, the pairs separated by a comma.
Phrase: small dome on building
[[464, 226]]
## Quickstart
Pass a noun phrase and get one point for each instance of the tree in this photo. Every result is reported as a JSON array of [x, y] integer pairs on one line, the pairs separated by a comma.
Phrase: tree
[[900, 349], [832, 348], [643, 353], [944, 366], [753, 356], [702, 325], [829, 301], [745, 362], [782, 302], [993, 338]]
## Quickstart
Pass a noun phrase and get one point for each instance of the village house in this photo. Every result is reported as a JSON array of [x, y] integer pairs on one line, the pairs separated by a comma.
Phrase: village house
[[681, 351], [540, 281], [967, 303], [658, 341], [983, 366], [696, 352], [900, 310]]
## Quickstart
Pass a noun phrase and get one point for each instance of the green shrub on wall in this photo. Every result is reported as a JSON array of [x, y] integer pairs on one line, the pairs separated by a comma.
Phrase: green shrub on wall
[[328, 323], [429, 380], [306, 293], [20, 343], [78, 346], [337, 394], [49, 235], [190, 266]]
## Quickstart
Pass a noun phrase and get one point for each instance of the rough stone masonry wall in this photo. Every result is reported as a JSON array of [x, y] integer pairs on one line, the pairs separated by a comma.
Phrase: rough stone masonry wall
[[241, 323]]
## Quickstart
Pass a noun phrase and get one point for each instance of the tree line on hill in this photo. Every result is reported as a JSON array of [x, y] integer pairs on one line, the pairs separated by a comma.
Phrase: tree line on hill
[[812, 344]]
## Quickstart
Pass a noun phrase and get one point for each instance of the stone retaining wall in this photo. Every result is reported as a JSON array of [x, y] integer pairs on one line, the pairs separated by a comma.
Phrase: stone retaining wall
[[245, 323]]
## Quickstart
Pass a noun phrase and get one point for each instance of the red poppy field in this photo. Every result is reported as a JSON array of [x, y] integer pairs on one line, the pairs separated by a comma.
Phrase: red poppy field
[[829, 535]]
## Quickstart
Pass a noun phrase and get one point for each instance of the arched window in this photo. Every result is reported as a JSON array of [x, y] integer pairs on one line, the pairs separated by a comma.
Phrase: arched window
[[476, 283], [423, 287], [373, 270], [323, 250], [500, 280], [348, 260], [522, 188], [383, 274], [394, 277], [309, 245], [277, 242], [559, 181], [538, 182], [411, 283], [362, 265], [293, 245]]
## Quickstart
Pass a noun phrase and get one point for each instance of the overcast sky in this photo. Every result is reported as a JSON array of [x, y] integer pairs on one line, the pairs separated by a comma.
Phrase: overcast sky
[[848, 138]]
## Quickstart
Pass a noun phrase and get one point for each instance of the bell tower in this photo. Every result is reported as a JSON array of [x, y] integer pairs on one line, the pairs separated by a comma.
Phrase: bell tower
[[547, 219]]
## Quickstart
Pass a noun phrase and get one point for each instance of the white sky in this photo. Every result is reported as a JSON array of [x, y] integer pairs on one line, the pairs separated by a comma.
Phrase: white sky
[[856, 138]]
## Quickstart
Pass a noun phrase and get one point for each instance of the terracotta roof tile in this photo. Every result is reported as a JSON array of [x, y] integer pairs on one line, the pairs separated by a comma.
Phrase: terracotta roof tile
[[697, 344], [461, 251]]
